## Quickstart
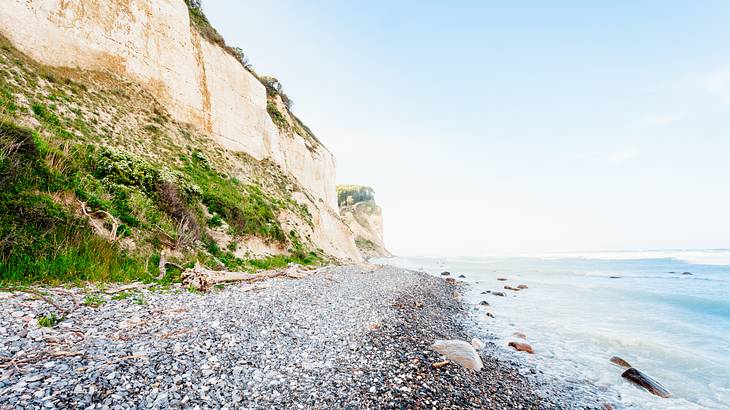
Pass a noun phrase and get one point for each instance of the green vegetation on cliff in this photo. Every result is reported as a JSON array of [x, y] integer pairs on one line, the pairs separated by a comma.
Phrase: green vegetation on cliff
[[352, 194], [96, 180]]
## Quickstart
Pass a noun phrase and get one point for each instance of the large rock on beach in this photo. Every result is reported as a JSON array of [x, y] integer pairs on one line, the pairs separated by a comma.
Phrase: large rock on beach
[[460, 352], [521, 347], [477, 344], [645, 381], [619, 362]]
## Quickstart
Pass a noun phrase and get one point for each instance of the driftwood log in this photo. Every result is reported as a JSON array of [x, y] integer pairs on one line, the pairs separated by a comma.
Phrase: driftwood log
[[202, 278]]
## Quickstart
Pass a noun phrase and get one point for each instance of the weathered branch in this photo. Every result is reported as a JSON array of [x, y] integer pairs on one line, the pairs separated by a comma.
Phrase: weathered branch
[[202, 278]]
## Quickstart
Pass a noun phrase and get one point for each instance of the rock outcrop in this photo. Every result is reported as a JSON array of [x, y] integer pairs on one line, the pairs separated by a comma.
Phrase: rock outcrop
[[154, 43], [364, 217]]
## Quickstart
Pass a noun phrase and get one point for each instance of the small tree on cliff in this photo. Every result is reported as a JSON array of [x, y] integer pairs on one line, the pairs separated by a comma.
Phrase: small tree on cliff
[[273, 87]]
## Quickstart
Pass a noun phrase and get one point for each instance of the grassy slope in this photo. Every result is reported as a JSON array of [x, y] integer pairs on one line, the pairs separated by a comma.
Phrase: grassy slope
[[70, 137]]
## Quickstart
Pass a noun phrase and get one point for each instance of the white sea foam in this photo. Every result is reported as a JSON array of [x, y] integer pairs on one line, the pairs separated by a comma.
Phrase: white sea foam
[[674, 327]]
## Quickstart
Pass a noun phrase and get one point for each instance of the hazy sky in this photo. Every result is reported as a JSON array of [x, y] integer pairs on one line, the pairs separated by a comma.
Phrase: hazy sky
[[491, 127]]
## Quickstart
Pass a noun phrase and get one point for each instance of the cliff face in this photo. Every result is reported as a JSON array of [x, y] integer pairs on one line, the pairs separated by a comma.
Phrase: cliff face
[[360, 212], [153, 43]]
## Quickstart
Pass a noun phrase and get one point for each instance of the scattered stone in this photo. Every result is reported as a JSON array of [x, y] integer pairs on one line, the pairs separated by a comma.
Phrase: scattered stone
[[520, 335], [490, 315], [462, 276], [686, 273], [620, 362], [456, 296], [521, 347], [502, 279], [451, 281], [484, 303], [511, 288], [645, 381], [460, 352], [498, 294], [445, 273], [614, 277], [440, 364], [521, 286]]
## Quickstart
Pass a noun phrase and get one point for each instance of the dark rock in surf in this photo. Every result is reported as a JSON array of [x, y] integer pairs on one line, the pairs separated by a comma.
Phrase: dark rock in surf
[[451, 281], [502, 279], [521, 286], [619, 362], [462, 276], [686, 273], [498, 294], [645, 381], [484, 303], [511, 288], [614, 277], [445, 273]]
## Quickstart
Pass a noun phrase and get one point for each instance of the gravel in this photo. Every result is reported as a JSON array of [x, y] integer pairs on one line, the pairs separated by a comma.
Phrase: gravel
[[347, 337]]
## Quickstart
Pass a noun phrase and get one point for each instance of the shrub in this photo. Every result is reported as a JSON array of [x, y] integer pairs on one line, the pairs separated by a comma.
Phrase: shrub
[[94, 301], [352, 194], [49, 320]]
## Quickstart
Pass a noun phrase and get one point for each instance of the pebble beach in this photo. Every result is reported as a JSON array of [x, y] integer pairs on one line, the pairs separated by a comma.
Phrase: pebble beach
[[345, 337]]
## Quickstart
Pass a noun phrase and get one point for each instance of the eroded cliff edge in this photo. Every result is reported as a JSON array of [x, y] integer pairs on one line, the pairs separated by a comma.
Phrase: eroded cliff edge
[[138, 84], [365, 217]]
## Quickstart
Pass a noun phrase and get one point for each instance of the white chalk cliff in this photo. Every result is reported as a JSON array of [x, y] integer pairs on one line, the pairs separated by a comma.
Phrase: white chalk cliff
[[153, 43]]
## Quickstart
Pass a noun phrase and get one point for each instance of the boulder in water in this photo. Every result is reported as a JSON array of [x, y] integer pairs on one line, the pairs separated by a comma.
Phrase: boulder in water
[[462, 276], [502, 279], [619, 362], [686, 273], [484, 303], [643, 380], [445, 273], [511, 288], [520, 335], [459, 351], [490, 315], [498, 294], [521, 286], [521, 347]]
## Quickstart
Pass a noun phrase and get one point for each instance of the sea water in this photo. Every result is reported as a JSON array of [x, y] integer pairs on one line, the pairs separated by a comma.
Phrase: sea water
[[581, 309]]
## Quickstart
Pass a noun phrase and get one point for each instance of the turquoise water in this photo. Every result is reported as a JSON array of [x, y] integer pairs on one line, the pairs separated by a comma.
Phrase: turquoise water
[[673, 327]]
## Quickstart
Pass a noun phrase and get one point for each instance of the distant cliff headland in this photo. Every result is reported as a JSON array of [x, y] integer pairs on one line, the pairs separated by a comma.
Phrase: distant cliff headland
[[360, 212]]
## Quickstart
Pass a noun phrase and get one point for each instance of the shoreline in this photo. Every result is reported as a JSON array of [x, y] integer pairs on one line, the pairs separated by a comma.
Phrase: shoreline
[[348, 336]]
